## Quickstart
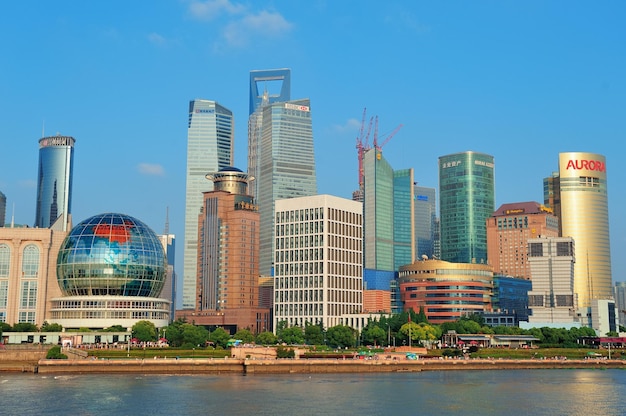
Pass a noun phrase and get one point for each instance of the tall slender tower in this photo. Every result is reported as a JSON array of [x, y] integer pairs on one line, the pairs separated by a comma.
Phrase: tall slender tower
[[281, 157], [585, 217], [54, 182], [467, 199], [3, 208], [210, 144], [270, 80]]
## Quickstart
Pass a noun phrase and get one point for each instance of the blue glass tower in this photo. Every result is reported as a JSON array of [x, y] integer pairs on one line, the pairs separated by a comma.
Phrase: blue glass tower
[[210, 143], [54, 182], [467, 199]]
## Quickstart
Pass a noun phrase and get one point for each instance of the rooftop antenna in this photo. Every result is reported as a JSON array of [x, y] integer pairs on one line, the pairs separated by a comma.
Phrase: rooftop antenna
[[13, 217], [166, 230], [43, 128]]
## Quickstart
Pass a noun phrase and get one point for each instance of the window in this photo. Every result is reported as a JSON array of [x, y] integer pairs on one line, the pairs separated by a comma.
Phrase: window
[[536, 250], [30, 261]]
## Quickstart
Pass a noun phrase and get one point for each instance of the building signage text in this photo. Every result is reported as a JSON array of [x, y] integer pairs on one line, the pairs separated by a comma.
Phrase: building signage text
[[586, 165]]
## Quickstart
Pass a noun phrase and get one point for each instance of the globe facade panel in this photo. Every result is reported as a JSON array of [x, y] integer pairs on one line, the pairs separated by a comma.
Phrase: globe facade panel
[[111, 254]]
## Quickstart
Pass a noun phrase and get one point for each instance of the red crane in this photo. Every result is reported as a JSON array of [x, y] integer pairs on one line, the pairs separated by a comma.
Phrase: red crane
[[362, 142]]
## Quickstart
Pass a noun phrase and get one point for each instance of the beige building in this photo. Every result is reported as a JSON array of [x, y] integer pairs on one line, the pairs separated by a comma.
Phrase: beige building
[[552, 300], [318, 260], [583, 199], [508, 231], [28, 283]]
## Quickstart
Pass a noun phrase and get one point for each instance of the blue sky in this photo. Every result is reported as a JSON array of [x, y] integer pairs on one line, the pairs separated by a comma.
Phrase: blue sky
[[520, 80]]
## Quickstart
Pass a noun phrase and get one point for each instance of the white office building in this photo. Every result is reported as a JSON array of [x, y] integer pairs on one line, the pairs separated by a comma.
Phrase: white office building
[[318, 260]]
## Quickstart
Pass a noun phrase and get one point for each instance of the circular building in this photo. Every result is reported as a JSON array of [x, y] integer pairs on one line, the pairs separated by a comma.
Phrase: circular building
[[111, 269]]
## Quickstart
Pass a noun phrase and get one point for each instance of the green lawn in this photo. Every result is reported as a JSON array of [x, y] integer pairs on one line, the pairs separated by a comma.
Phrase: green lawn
[[160, 352]]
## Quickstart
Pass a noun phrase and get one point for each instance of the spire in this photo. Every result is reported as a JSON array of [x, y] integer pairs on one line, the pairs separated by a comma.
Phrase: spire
[[166, 230]]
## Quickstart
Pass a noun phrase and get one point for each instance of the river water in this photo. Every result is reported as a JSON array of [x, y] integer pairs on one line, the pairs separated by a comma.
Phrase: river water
[[489, 392]]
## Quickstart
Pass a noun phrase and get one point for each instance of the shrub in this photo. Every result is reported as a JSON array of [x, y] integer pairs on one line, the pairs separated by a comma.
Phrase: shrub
[[55, 353], [282, 352]]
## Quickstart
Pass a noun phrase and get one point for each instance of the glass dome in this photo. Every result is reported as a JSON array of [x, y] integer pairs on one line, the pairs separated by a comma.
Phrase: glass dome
[[111, 254]]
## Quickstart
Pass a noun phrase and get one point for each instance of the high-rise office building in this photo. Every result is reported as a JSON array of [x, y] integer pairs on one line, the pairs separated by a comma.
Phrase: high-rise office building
[[3, 208], [54, 182], [425, 221], [466, 200], [584, 216], [266, 87], [508, 231], [228, 253], [378, 211], [287, 165], [210, 144], [403, 218], [389, 228], [319, 261]]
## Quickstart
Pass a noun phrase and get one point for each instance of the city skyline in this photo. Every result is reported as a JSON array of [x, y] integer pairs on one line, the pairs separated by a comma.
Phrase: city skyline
[[521, 82]]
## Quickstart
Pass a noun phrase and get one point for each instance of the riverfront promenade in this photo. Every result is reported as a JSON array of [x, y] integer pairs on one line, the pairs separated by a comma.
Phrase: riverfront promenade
[[298, 366]]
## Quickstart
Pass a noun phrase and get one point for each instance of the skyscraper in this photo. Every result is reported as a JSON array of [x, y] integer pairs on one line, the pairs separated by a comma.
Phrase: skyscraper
[[425, 221], [54, 182], [388, 209], [282, 162], [403, 218], [228, 253], [210, 144], [378, 211], [584, 214], [467, 199]]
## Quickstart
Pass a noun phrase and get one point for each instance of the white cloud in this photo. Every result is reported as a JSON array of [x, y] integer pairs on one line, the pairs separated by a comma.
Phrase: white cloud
[[28, 183], [210, 9], [351, 125], [151, 169], [261, 25], [156, 39]]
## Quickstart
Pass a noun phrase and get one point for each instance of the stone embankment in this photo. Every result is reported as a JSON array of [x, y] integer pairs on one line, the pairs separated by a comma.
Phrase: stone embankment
[[295, 366]]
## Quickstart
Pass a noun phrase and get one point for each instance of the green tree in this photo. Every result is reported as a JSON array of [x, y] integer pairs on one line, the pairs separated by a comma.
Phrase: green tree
[[266, 338], [313, 334], [419, 332], [144, 331], [114, 328], [374, 335], [194, 335], [341, 336], [293, 335], [25, 327], [48, 327], [245, 336], [220, 337], [280, 327]]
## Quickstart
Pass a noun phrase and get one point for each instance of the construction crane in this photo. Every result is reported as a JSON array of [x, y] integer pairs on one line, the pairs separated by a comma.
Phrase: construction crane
[[362, 143]]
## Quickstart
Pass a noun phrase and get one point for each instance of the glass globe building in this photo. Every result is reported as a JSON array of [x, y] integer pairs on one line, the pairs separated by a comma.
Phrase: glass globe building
[[111, 268]]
